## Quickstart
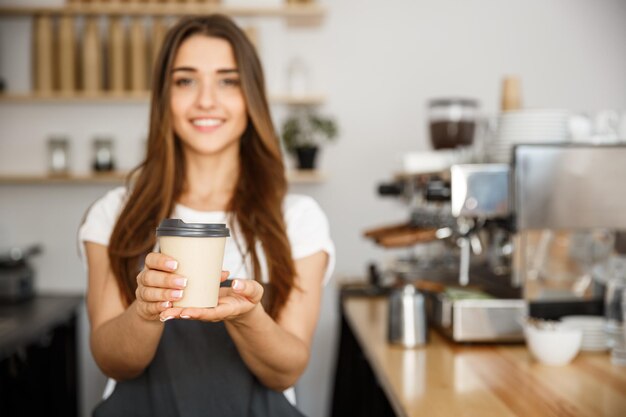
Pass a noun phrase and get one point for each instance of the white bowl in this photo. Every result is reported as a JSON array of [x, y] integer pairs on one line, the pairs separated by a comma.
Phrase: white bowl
[[553, 346]]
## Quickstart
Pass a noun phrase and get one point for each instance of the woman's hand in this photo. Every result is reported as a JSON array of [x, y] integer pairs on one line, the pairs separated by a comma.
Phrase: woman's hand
[[234, 303], [158, 286]]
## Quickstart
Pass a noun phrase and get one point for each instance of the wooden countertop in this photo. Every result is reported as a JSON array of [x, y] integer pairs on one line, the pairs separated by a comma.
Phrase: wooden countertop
[[447, 379]]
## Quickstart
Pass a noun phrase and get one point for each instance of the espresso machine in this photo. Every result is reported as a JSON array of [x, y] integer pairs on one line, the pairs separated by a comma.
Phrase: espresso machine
[[527, 238]]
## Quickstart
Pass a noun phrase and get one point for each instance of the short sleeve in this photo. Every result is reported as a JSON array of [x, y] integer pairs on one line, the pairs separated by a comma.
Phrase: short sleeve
[[100, 219], [308, 230]]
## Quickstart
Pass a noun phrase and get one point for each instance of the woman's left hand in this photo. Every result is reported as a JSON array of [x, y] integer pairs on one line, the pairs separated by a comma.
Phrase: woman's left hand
[[233, 303]]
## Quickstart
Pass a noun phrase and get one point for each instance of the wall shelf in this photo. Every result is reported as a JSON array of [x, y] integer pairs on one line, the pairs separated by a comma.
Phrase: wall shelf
[[306, 177], [307, 14], [138, 97], [77, 97], [294, 177], [35, 179], [297, 99], [171, 9]]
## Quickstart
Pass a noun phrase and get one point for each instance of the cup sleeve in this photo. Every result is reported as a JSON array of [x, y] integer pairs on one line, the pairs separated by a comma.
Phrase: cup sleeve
[[309, 232]]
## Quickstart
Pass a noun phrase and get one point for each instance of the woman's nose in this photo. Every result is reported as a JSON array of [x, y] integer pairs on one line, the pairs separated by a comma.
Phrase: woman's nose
[[206, 96]]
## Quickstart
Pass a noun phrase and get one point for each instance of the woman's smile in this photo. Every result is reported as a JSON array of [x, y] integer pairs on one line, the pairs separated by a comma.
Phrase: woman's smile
[[207, 124]]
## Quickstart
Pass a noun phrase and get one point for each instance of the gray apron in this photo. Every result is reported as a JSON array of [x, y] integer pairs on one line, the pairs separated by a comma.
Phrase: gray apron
[[196, 371]]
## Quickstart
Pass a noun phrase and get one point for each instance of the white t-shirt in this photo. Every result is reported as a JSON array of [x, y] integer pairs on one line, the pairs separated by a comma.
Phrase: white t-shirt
[[307, 230]]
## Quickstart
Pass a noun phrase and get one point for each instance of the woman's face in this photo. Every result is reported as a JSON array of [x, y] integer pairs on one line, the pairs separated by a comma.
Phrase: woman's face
[[207, 104]]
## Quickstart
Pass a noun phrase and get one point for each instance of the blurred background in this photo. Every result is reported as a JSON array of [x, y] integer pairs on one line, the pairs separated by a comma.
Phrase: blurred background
[[369, 66]]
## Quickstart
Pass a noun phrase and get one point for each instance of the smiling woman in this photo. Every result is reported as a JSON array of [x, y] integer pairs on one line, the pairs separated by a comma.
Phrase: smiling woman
[[208, 106], [213, 157]]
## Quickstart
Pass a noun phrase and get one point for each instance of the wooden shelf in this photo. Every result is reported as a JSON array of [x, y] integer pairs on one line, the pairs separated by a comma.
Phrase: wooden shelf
[[34, 179], [294, 177], [138, 97], [168, 9], [77, 97], [297, 100], [305, 177]]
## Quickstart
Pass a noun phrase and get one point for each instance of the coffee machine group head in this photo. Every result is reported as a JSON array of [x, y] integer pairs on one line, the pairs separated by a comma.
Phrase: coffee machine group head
[[479, 194]]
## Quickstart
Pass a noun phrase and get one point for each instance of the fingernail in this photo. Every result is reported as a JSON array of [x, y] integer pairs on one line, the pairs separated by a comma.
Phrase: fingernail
[[181, 282], [166, 318], [171, 265], [185, 317], [166, 304], [177, 294], [237, 284]]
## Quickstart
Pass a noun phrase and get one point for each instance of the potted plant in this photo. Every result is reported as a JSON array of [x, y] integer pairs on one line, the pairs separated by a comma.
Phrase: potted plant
[[303, 133]]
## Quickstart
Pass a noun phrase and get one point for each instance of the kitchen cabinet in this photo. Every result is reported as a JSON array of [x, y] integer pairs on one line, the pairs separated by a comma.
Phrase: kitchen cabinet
[[448, 379], [38, 356], [357, 390]]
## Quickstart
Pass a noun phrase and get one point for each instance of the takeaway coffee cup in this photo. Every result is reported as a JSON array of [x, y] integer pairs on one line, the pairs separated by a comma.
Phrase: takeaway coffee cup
[[199, 250]]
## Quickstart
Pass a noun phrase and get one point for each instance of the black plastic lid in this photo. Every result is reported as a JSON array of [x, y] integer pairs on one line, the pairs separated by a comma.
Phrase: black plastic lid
[[177, 227]]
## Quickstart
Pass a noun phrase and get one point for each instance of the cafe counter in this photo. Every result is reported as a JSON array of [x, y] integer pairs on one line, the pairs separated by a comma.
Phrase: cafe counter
[[448, 379], [38, 356]]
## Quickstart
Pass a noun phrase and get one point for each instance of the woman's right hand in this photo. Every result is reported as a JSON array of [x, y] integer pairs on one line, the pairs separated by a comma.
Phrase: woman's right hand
[[157, 286]]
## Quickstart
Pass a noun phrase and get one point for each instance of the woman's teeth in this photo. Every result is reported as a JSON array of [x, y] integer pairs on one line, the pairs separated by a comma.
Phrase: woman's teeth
[[207, 122]]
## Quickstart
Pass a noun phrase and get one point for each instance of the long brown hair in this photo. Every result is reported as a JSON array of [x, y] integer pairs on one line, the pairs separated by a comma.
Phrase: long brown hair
[[156, 184]]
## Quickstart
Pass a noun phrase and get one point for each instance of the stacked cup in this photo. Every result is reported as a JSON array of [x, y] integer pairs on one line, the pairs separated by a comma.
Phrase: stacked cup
[[529, 127], [593, 328]]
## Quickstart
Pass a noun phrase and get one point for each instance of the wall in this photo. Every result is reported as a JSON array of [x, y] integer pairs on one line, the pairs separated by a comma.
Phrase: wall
[[379, 62]]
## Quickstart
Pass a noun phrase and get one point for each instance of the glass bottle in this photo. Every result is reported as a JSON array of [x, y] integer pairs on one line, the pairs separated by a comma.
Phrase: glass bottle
[[58, 155], [103, 160]]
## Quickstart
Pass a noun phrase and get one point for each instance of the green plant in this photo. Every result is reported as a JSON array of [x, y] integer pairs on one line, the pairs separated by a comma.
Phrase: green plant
[[307, 130]]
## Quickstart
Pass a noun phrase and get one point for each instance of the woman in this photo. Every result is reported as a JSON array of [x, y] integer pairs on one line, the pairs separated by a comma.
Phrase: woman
[[212, 157]]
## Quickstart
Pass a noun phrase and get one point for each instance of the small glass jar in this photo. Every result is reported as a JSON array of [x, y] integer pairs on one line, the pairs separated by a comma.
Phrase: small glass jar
[[58, 155], [452, 122], [298, 77], [103, 160]]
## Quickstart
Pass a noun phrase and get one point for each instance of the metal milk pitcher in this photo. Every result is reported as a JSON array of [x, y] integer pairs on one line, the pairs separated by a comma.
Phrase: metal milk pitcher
[[407, 317]]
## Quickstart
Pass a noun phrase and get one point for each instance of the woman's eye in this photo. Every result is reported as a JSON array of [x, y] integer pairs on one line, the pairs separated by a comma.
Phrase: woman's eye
[[183, 82], [230, 82]]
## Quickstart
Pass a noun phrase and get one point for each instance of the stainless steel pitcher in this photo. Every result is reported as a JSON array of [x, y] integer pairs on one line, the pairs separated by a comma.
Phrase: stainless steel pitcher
[[407, 325]]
